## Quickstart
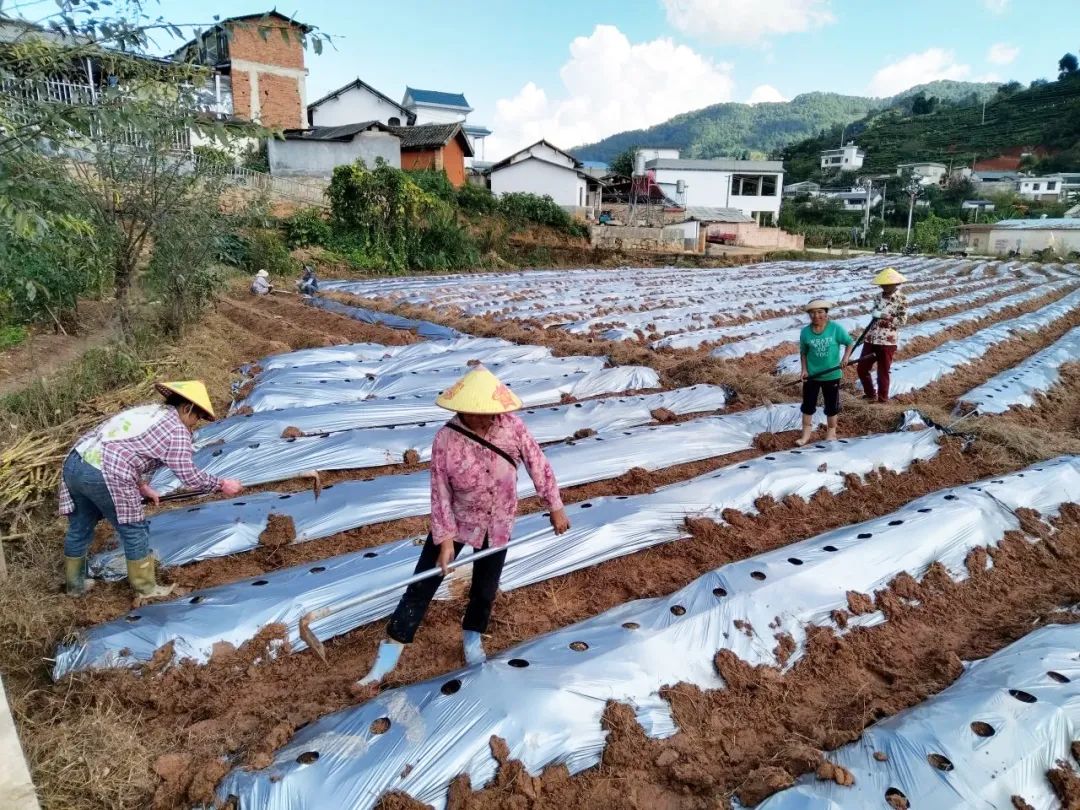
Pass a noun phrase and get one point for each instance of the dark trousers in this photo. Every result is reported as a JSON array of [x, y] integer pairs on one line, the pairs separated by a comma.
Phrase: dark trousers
[[414, 603], [882, 355], [829, 390]]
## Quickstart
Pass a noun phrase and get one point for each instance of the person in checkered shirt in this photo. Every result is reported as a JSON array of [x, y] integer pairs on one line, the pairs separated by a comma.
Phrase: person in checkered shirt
[[104, 478]]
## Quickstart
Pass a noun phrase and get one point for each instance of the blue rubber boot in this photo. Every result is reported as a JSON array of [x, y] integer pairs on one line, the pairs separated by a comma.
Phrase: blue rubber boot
[[385, 661], [474, 647]]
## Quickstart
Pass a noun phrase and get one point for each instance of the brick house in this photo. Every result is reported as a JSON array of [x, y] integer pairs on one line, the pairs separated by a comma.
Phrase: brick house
[[260, 67], [442, 147]]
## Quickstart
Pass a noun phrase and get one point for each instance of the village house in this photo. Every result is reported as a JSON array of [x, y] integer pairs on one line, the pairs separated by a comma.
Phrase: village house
[[545, 170], [930, 174], [1023, 236], [847, 158], [854, 200], [355, 102], [807, 187], [990, 181], [440, 147], [1060, 187], [316, 151], [751, 186], [437, 107]]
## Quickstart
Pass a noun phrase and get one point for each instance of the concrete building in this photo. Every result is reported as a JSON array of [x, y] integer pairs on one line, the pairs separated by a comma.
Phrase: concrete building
[[1024, 236], [437, 107], [931, 173], [751, 186], [855, 199], [657, 152], [357, 101], [1046, 189], [440, 147], [315, 152], [989, 181], [847, 158], [545, 170], [808, 187]]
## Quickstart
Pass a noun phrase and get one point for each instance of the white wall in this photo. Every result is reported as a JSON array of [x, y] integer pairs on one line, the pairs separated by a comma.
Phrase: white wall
[[355, 106], [318, 158], [544, 152], [534, 177], [437, 115], [713, 188], [1028, 190], [658, 153], [1001, 241]]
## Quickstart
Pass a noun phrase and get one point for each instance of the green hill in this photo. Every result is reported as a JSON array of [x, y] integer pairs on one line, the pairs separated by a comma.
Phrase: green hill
[[1046, 114], [725, 130]]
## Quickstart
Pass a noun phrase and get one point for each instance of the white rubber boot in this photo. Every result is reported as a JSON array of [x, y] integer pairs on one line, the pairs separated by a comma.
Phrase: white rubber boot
[[385, 661]]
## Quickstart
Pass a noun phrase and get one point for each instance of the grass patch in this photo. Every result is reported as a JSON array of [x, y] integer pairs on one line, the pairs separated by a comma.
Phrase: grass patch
[[12, 335]]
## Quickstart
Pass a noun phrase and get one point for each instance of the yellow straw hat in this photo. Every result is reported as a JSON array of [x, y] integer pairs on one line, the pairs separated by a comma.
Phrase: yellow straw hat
[[889, 276], [479, 392], [819, 303], [191, 390]]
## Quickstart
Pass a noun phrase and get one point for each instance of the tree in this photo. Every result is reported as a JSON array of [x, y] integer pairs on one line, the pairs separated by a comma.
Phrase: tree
[[1068, 66], [623, 164], [921, 105]]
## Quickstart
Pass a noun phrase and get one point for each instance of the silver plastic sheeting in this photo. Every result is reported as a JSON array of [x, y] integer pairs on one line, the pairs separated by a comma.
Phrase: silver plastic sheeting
[[602, 529], [363, 352], [309, 393], [260, 462], [1019, 385], [220, 528], [1029, 713], [546, 697], [790, 363], [414, 408], [425, 329], [924, 369]]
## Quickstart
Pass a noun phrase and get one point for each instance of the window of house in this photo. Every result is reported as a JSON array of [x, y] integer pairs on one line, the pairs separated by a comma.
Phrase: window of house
[[1051, 185], [394, 122], [1035, 186], [768, 186], [744, 185]]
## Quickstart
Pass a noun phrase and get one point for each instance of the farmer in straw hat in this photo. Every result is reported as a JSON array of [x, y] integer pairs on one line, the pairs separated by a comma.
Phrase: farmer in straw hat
[[890, 313], [474, 460], [103, 478], [822, 367], [260, 285]]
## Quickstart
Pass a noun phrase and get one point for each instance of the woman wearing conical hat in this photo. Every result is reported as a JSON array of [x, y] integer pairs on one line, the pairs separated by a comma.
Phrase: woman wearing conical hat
[[103, 478], [474, 460], [890, 313]]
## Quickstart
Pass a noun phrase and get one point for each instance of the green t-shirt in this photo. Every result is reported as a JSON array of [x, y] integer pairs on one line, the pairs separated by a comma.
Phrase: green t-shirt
[[822, 351]]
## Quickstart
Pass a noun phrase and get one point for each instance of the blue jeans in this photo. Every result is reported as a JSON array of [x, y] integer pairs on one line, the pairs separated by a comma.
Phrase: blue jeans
[[92, 503]]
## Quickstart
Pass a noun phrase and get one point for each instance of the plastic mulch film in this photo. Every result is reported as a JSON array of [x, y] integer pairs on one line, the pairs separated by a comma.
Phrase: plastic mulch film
[[790, 363], [990, 736], [262, 461], [924, 369], [375, 352], [305, 391], [425, 329], [189, 534], [1019, 384], [414, 408], [602, 529], [546, 697]]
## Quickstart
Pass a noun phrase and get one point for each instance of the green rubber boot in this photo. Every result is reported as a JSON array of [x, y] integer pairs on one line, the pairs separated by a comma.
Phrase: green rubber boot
[[142, 574], [75, 581]]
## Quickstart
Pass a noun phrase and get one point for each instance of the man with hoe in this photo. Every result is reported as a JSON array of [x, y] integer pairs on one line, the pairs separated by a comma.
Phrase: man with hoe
[[474, 461], [104, 478]]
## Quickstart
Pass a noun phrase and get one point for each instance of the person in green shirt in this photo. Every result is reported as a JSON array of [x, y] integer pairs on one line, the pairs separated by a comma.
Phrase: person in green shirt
[[822, 367]]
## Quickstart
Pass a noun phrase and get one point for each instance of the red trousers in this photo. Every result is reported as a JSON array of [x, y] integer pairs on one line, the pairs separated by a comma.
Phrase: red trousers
[[882, 355]]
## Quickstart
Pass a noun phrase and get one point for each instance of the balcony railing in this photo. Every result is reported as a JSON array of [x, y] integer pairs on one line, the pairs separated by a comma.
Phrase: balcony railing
[[213, 96]]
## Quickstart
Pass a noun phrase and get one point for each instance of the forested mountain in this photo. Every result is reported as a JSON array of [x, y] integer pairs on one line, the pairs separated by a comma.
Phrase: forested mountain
[[730, 129]]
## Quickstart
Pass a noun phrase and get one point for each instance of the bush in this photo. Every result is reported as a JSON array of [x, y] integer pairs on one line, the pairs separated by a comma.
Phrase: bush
[[266, 251], [306, 227], [476, 200], [256, 158], [435, 183], [213, 157], [521, 207], [445, 245]]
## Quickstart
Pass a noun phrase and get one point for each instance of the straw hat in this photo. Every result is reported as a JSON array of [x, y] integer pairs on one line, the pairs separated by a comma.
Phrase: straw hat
[[479, 392], [889, 276], [191, 390], [819, 303], [262, 274]]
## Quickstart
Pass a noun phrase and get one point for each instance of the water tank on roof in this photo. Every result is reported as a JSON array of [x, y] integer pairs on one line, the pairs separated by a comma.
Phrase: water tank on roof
[[639, 165], [680, 186]]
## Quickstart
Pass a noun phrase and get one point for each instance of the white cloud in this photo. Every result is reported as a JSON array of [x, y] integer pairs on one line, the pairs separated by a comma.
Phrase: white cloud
[[917, 68], [609, 85], [1002, 53], [996, 6], [765, 92], [746, 20]]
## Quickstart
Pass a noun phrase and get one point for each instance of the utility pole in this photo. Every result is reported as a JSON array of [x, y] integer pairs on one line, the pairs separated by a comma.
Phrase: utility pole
[[984, 112], [912, 189], [868, 184]]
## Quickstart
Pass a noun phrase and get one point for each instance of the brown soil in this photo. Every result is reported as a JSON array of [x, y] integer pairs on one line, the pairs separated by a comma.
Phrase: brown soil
[[1056, 410], [280, 531], [1066, 784], [291, 432], [411, 457]]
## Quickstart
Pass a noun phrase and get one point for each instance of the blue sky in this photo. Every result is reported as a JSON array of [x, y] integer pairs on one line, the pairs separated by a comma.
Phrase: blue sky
[[577, 70]]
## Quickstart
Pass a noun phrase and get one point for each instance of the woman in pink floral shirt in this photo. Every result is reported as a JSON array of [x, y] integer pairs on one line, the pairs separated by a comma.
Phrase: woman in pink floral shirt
[[474, 462]]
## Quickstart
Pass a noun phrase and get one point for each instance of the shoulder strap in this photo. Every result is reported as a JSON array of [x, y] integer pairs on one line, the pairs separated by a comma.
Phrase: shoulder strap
[[480, 440]]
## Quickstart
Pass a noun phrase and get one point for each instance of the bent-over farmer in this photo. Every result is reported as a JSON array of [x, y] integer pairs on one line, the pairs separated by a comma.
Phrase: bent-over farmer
[[822, 367], [474, 460], [890, 313], [103, 478]]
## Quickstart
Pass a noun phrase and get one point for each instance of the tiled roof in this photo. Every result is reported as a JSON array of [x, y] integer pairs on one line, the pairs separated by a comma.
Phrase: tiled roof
[[708, 213], [430, 136], [346, 132], [719, 165], [437, 97]]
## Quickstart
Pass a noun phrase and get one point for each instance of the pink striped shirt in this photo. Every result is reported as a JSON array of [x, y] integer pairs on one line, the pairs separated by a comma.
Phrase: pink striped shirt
[[474, 490]]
